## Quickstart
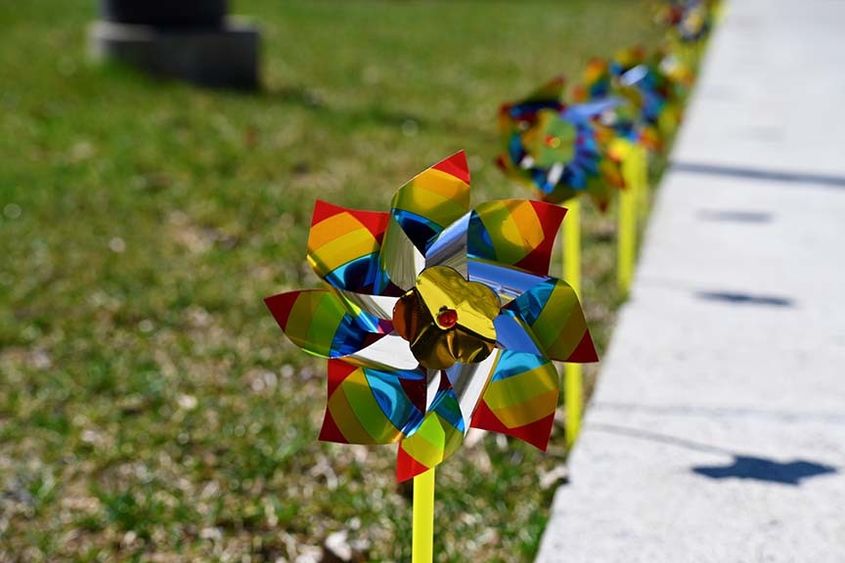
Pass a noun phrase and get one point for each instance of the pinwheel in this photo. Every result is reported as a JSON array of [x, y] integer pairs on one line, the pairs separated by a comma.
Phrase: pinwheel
[[689, 25], [644, 94], [559, 150], [622, 102], [692, 20], [643, 109], [678, 70], [436, 318]]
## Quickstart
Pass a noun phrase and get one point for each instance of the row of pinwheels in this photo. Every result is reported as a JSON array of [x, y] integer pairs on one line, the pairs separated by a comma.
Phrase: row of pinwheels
[[600, 141], [436, 318], [635, 100]]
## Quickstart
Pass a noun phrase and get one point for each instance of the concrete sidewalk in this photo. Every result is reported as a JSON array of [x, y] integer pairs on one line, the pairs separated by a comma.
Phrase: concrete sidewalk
[[718, 429]]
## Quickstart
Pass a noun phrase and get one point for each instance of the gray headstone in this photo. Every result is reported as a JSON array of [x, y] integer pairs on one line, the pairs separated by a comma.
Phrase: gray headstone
[[193, 41]]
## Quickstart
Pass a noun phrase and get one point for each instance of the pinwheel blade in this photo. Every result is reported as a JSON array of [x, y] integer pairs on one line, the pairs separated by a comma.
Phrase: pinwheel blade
[[448, 418], [515, 232], [597, 81], [550, 92], [469, 382], [547, 96], [449, 248], [513, 335], [374, 312], [507, 282], [390, 351], [420, 210], [371, 406], [432, 200], [343, 249], [521, 399], [553, 316], [439, 435], [318, 322]]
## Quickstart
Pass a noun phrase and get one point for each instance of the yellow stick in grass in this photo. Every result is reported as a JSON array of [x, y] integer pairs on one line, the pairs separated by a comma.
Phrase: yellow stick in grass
[[422, 538], [573, 379], [572, 245], [640, 153], [627, 216]]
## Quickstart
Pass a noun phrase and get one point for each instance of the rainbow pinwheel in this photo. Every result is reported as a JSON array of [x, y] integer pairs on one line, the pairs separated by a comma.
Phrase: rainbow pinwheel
[[559, 150], [689, 23], [660, 84], [436, 318], [645, 94], [691, 20], [622, 103]]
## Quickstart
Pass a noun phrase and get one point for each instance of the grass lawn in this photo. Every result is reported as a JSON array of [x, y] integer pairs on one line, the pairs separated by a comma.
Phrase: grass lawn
[[149, 405]]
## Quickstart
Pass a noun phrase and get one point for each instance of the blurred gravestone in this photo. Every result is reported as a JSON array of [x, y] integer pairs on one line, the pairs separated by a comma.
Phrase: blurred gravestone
[[194, 40]]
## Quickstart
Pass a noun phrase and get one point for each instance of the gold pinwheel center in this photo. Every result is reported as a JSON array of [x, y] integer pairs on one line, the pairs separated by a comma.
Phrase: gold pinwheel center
[[447, 319]]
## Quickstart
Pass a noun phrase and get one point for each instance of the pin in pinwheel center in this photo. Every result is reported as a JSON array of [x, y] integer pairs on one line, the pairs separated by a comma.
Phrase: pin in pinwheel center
[[447, 319]]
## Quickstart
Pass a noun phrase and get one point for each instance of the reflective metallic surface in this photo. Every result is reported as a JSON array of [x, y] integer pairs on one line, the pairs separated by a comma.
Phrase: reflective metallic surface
[[440, 289], [390, 352], [443, 288], [508, 283], [469, 382], [437, 318], [450, 247], [402, 261], [380, 306]]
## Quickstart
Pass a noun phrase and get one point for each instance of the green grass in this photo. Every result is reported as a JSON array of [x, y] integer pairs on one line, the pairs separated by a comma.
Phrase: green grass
[[149, 406]]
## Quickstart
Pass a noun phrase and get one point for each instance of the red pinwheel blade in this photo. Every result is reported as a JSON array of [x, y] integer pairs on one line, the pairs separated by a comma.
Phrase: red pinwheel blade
[[317, 321], [344, 246], [371, 406], [439, 435], [420, 210], [553, 316], [516, 232], [521, 399]]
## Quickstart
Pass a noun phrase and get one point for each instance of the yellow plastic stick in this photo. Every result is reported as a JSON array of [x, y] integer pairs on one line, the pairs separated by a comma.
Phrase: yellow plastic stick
[[422, 539], [627, 226], [573, 393], [572, 245], [640, 153], [573, 381]]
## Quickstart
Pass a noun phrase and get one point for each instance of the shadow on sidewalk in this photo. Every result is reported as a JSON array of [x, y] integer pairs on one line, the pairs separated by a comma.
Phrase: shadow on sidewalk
[[780, 176], [742, 467], [761, 469], [739, 298]]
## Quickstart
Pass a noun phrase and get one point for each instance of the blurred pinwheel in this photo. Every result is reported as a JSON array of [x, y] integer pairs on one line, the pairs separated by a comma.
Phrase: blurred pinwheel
[[436, 318], [689, 24], [661, 93], [644, 94], [691, 20], [622, 103], [559, 150]]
